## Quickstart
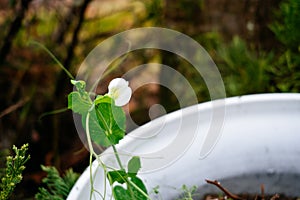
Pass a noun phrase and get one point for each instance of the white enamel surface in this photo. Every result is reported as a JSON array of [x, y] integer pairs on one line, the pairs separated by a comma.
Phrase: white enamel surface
[[261, 134]]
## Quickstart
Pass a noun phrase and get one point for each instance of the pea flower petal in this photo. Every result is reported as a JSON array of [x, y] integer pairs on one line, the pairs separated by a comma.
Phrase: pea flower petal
[[119, 90]]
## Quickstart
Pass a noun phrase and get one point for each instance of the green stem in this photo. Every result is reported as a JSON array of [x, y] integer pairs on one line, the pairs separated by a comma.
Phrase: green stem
[[53, 57], [91, 176], [117, 156], [91, 152], [139, 189], [122, 168], [52, 112]]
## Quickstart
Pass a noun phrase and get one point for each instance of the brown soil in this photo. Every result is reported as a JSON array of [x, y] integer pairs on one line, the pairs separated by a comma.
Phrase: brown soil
[[251, 197]]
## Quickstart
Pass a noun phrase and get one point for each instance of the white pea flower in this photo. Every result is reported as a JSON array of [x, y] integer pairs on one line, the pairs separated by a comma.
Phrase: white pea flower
[[119, 90]]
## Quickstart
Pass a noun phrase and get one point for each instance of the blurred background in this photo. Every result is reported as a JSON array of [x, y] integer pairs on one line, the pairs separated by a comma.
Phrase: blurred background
[[255, 44]]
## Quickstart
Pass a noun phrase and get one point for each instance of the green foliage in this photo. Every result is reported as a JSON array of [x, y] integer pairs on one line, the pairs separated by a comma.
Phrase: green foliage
[[96, 132], [107, 121], [104, 123], [287, 30], [78, 104], [79, 101], [135, 188], [243, 70], [13, 171], [246, 70], [188, 193], [111, 118], [286, 27], [285, 72], [119, 176], [139, 190], [154, 10], [57, 187], [134, 165], [210, 41]]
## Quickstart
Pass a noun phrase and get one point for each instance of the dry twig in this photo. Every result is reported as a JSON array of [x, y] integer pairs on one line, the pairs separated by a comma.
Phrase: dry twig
[[14, 107], [236, 197], [229, 194], [275, 197], [262, 189]]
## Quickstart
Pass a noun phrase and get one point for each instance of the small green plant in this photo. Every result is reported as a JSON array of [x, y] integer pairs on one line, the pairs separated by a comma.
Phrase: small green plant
[[104, 122], [188, 193], [57, 187], [13, 171]]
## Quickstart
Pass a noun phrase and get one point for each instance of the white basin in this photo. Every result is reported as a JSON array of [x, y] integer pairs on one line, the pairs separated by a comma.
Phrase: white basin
[[259, 143]]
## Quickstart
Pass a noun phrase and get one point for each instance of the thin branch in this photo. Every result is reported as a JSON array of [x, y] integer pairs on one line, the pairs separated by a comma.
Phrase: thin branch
[[14, 107], [262, 189], [229, 194], [54, 112], [275, 197]]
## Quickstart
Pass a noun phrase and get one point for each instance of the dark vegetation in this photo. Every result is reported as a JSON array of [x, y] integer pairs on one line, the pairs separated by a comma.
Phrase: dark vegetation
[[255, 45]]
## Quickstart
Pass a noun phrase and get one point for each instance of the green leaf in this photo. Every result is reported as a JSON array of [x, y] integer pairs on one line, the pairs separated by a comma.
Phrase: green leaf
[[79, 101], [131, 193], [103, 99], [80, 85], [137, 194], [134, 165], [96, 132], [107, 121], [119, 176], [111, 118], [120, 193], [78, 104], [56, 186]]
